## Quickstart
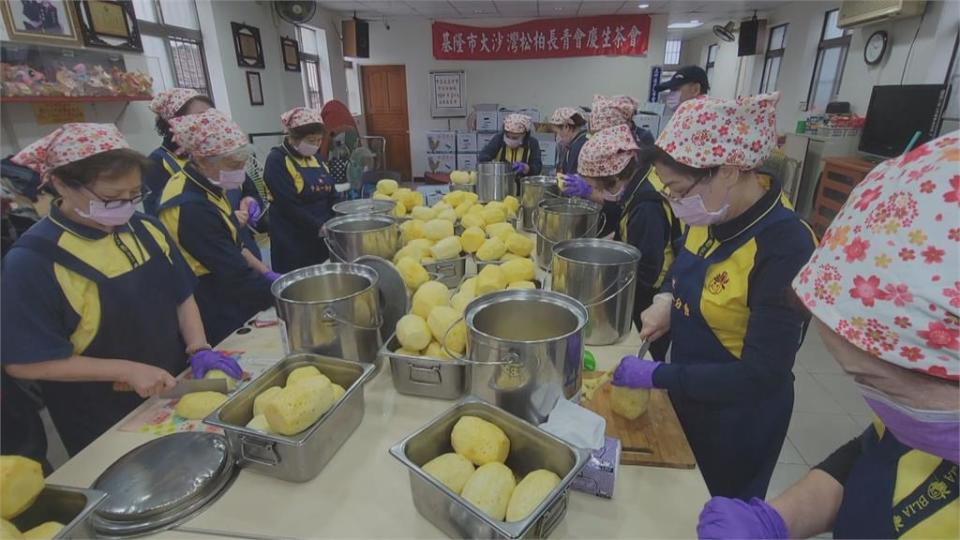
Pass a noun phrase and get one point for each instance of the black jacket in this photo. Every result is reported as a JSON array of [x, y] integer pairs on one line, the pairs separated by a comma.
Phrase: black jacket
[[495, 150]]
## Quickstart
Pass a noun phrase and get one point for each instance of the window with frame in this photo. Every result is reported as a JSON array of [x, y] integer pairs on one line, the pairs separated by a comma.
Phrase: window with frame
[[773, 58], [310, 67], [170, 32], [712, 52], [671, 54], [831, 59]]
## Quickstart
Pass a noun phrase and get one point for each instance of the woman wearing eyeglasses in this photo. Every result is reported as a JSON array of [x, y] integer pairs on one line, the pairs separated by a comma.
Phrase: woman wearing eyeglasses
[[233, 284], [734, 322], [97, 293]]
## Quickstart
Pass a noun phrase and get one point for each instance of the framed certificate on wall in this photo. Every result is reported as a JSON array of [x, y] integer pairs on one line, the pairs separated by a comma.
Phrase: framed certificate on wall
[[448, 97]]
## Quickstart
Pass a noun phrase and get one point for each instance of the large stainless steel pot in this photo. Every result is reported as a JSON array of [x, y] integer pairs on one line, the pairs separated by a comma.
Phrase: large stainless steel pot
[[534, 189], [525, 350], [363, 207], [556, 220], [530, 448], [330, 309], [495, 180], [603, 275], [352, 236]]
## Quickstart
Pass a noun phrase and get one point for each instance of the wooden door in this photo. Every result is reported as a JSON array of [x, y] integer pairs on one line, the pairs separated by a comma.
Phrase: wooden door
[[385, 110]]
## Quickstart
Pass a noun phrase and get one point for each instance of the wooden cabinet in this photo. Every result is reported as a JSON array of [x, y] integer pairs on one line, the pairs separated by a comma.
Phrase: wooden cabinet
[[840, 175]]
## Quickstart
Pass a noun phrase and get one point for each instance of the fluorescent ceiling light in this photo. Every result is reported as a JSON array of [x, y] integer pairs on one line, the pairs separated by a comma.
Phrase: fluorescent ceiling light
[[643, 6], [681, 25]]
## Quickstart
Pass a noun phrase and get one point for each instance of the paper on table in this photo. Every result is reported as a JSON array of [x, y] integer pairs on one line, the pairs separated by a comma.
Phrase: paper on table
[[576, 425]]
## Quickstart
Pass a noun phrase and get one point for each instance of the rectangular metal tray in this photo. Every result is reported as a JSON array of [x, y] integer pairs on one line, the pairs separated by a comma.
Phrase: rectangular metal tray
[[530, 448], [299, 457], [450, 272], [68, 505], [424, 377]]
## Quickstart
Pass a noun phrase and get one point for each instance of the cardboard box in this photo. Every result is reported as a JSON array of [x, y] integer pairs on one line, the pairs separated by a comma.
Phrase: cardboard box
[[649, 122], [486, 117], [533, 113], [441, 142], [466, 162], [441, 163], [467, 142], [433, 193], [548, 153], [484, 138]]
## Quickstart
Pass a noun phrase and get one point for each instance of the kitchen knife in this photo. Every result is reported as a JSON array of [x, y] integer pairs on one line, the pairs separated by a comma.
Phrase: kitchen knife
[[644, 347], [184, 386]]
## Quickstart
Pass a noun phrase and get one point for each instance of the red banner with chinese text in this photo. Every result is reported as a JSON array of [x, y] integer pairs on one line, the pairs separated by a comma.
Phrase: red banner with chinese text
[[607, 35]]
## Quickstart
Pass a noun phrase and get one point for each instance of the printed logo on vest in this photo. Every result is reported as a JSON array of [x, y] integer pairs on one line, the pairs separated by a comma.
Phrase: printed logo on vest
[[719, 283]]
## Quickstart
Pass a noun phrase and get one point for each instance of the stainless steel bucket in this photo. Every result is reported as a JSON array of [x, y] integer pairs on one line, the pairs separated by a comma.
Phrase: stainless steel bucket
[[364, 206], [534, 189], [351, 236], [330, 309], [603, 275], [495, 180], [556, 220], [525, 350]]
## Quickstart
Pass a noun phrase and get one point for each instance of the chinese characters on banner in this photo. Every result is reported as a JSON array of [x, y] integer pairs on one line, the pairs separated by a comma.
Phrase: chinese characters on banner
[[608, 35], [448, 91]]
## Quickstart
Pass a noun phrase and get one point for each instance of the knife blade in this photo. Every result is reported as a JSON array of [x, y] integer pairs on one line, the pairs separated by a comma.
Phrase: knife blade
[[184, 386], [644, 347]]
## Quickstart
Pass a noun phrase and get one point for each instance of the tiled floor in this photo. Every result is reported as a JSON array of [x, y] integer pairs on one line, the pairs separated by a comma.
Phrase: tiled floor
[[827, 412]]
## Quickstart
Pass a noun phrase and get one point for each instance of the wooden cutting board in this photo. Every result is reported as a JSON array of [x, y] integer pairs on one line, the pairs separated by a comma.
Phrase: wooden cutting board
[[654, 439]]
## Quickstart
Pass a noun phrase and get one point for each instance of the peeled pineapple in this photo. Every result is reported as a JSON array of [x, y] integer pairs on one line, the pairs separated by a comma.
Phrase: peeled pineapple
[[303, 372], [447, 324], [490, 279], [469, 195], [469, 286], [260, 402], [423, 213], [411, 230], [629, 403], [413, 332], [501, 231], [387, 186], [220, 374], [460, 301], [298, 406], [512, 204], [9, 531], [438, 229], [381, 197], [448, 248], [493, 215], [260, 423], [449, 214], [399, 210], [473, 219], [412, 272], [518, 270], [452, 470], [522, 285], [430, 295], [530, 492], [454, 198], [519, 244], [21, 481], [472, 238], [491, 250], [197, 405]]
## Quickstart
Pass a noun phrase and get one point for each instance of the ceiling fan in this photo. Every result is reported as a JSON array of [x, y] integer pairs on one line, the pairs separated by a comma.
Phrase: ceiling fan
[[726, 31]]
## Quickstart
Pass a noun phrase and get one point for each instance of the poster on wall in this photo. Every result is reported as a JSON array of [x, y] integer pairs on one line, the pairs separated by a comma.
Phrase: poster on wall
[[109, 24], [447, 98], [51, 21], [607, 35]]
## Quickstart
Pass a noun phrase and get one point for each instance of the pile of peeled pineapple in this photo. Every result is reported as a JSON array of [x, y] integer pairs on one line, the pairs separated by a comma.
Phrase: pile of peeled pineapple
[[407, 199], [463, 178]]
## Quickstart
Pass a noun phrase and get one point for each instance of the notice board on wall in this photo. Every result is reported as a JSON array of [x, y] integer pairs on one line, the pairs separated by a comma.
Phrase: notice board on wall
[[448, 98]]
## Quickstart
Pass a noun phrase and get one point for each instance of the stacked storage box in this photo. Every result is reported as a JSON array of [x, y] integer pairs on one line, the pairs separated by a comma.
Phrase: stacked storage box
[[441, 151], [467, 150]]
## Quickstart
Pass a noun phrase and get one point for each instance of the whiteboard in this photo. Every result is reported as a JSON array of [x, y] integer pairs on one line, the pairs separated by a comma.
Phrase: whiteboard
[[448, 98]]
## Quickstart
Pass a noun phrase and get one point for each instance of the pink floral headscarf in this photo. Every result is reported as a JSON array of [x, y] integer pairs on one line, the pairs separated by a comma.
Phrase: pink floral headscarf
[[300, 116], [607, 152], [563, 116], [708, 132], [518, 123], [611, 111], [68, 144], [885, 276], [210, 133], [167, 103]]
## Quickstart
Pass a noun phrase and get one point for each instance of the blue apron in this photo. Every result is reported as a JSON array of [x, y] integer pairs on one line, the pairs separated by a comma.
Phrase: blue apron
[[868, 509], [736, 444], [293, 246], [138, 322]]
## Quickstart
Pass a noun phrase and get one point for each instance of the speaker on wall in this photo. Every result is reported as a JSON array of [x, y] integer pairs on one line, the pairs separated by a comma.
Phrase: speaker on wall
[[747, 45], [356, 38]]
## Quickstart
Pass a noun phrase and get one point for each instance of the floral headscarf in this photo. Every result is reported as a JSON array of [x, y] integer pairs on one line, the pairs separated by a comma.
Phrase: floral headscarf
[[68, 144], [210, 133], [607, 152], [611, 111], [167, 103], [517, 123], [563, 116], [708, 132], [300, 116], [885, 276]]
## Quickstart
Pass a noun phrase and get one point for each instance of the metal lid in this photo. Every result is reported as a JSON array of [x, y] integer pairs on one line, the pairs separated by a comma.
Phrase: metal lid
[[540, 179], [162, 482], [394, 302], [364, 206]]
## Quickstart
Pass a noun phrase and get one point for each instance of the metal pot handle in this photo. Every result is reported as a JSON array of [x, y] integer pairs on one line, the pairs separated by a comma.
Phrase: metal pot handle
[[333, 250], [633, 276], [265, 446], [601, 224], [331, 315], [443, 342]]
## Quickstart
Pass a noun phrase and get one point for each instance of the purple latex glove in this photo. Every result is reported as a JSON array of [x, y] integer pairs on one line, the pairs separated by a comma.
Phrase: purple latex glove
[[203, 361], [272, 276], [520, 167], [253, 210], [575, 186], [634, 372], [732, 518]]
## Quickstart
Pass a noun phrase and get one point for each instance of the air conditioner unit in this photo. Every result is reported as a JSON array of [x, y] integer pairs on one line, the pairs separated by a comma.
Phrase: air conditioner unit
[[861, 12]]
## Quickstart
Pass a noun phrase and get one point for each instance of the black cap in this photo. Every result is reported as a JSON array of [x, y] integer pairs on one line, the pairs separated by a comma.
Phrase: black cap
[[684, 75]]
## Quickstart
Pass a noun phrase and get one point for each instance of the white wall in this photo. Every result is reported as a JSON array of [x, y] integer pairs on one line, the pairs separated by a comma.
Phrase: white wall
[[927, 64], [282, 89], [545, 84]]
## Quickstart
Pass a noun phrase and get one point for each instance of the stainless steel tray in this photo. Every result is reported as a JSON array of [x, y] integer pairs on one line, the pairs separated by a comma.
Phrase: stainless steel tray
[[68, 505], [424, 377], [300, 457], [530, 448], [450, 272]]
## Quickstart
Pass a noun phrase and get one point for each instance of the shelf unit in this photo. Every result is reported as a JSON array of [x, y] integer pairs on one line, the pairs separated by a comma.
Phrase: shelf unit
[[72, 99]]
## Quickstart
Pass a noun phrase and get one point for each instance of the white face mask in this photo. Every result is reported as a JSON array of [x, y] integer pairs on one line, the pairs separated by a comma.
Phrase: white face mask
[[231, 179], [512, 143], [307, 149], [673, 99]]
